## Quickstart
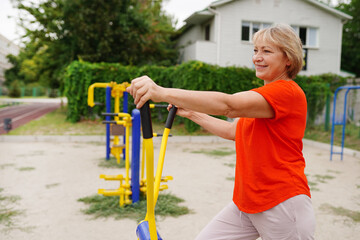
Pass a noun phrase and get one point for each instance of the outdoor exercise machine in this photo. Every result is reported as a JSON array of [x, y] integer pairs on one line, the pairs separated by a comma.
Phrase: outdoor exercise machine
[[116, 91], [341, 121], [126, 190], [146, 230], [129, 188]]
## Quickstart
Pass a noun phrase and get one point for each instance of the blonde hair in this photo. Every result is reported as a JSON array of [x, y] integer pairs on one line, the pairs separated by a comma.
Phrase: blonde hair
[[284, 37]]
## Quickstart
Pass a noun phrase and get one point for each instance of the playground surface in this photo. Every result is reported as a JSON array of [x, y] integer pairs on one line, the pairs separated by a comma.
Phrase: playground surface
[[48, 177]]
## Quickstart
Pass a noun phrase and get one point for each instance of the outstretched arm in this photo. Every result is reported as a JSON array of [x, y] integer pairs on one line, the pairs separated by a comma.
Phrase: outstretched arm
[[214, 125], [242, 104]]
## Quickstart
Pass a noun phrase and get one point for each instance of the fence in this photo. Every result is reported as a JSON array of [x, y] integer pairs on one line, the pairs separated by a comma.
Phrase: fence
[[32, 92]]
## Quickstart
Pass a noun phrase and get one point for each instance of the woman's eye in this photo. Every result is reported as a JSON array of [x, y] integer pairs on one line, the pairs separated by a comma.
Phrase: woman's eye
[[255, 50]]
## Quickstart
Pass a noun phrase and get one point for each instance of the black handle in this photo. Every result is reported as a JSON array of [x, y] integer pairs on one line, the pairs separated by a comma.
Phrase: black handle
[[108, 122], [160, 105], [109, 114], [171, 116], [146, 121]]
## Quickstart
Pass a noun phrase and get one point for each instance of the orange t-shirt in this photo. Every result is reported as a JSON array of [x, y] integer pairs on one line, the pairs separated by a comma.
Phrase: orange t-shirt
[[269, 161]]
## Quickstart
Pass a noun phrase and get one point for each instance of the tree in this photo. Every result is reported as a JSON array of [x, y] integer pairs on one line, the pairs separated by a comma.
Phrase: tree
[[350, 57], [59, 31], [12, 74]]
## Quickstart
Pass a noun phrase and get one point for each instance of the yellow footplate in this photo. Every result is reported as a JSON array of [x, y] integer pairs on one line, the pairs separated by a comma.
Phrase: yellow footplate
[[112, 177]]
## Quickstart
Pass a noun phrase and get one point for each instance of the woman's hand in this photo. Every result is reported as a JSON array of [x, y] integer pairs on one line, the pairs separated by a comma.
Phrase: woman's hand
[[182, 112], [143, 89]]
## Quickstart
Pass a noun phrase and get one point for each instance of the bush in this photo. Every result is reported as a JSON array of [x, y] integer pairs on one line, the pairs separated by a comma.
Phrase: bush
[[15, 89], [192, 75]]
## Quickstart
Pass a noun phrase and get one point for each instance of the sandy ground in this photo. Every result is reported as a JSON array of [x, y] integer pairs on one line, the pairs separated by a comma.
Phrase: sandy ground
[[49, 178]]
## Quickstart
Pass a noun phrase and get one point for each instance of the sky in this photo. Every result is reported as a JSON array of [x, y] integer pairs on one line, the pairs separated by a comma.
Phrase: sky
[[179, 9]]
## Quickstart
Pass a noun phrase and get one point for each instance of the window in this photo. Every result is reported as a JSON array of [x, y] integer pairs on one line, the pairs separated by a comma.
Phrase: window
[[248, 29], [207, 32], [308, 35], [256, 27], [245, 31], [302, 35]]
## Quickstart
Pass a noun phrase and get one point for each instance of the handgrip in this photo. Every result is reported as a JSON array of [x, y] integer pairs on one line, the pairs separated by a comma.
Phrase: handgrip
[[146, 121], [171, 116]]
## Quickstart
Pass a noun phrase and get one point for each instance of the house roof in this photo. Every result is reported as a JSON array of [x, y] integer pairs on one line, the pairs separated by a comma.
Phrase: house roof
[[206, 14], [199, 17]]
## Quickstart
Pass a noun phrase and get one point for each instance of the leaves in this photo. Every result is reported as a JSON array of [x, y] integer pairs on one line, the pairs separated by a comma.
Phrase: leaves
[[58, 32], [192, 75], [350, 56]]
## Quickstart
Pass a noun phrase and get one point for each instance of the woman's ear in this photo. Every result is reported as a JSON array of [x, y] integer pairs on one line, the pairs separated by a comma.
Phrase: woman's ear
[[288, 62]]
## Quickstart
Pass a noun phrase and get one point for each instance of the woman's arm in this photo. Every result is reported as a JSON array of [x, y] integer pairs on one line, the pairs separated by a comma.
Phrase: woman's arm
[[214, 125], [243, 104]]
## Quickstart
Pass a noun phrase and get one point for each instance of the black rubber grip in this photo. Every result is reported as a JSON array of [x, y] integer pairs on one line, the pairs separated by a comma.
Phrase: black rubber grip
[[171, 116], [109, 114], [160, 105], [146, 121], [107, 122]]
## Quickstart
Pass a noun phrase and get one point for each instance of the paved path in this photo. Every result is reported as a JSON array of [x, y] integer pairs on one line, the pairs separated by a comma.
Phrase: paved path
[[24, 113], [47, 175]]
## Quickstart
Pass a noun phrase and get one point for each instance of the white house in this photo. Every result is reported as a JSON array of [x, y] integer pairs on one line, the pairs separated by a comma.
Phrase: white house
[[221, 33], [6, 47]]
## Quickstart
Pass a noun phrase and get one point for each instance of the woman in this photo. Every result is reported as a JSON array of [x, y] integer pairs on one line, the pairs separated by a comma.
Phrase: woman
[[271, 196]]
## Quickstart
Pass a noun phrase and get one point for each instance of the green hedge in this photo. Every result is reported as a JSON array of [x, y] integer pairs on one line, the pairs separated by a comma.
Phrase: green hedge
[[193, 75]]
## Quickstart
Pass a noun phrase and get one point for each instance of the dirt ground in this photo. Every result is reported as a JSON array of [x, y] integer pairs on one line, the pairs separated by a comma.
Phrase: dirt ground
[[47, 178]]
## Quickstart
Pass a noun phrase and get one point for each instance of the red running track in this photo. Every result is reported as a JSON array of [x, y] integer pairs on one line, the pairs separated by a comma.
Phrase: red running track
[[24, 113]]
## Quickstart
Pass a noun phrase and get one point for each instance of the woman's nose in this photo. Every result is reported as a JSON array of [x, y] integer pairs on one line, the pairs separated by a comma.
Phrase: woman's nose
[[258, 57]]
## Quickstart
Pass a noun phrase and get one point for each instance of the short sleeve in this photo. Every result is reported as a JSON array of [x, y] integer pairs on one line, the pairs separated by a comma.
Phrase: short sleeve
[[279, 95]]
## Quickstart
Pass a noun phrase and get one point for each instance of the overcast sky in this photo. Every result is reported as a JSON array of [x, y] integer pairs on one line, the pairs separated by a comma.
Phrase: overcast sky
[[179, 9]]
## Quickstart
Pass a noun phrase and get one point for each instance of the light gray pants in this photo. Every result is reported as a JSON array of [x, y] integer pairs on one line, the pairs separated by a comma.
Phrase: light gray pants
[[291, 219]]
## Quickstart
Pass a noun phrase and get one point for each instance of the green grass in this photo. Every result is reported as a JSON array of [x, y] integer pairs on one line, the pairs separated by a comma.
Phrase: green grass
[[7, 213], [340, 211], [26, 169], [55, 123], [314, 180], [352, 135], [111, 163], [216, 152], [100, 206], [6, 165], [323, 178], [52, 185]]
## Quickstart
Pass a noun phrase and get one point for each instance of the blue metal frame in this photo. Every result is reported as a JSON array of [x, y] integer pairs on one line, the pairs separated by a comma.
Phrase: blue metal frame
[[108, 118], [340, 121], [135, 156], [125, 110]]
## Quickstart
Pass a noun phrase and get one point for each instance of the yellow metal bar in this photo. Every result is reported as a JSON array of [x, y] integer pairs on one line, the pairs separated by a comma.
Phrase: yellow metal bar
[[116, 118], [150, 214], [121, 122], [160, 164], [112, 177], [124, 115], [143, 160], [127, 160], [91, 91]]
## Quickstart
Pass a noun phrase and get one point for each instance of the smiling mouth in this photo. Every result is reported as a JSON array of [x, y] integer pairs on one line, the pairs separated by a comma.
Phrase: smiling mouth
[[260, 66]]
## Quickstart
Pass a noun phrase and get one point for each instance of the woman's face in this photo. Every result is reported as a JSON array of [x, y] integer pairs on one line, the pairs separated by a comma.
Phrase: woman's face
[[270, 62]]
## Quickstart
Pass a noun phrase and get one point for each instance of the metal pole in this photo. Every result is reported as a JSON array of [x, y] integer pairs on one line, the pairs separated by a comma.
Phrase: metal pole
[[344, 124], [135, 156], [108, 118], [125, 110], [333, 124]]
